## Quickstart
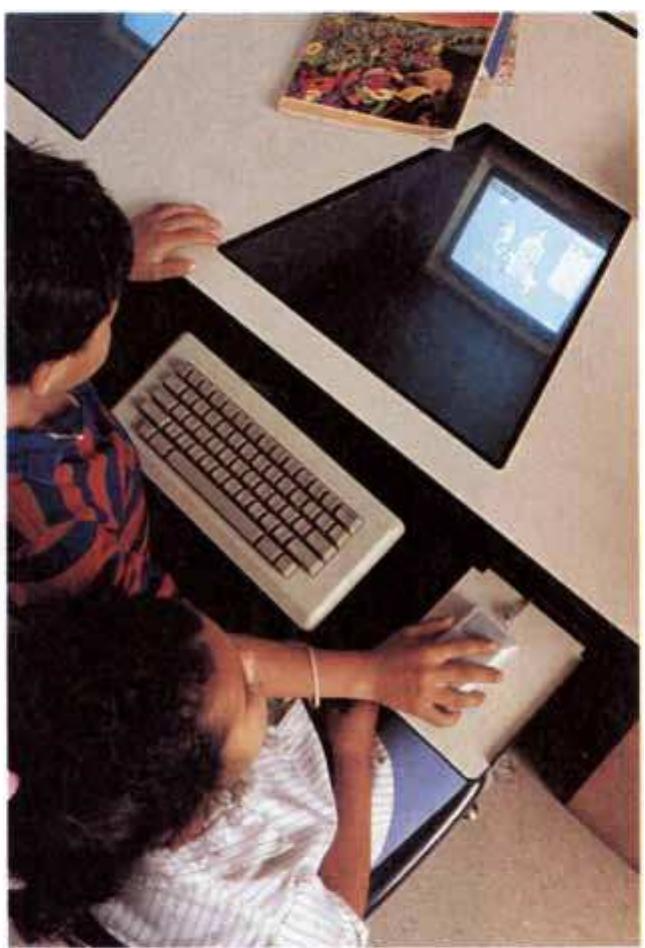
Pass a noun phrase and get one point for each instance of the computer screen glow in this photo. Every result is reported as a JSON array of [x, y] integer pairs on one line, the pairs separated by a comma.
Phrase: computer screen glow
[[526, 255]]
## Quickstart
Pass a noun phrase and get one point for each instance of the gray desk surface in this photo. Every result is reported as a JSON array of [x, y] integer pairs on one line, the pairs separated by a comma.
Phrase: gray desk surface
[[199, 124]]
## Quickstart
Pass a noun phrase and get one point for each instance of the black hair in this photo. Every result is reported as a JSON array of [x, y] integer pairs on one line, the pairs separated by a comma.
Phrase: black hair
[[105, 735], [68, 253]]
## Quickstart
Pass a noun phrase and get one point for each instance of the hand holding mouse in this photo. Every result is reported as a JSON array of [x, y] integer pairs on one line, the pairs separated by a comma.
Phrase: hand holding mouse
[[414, 673]]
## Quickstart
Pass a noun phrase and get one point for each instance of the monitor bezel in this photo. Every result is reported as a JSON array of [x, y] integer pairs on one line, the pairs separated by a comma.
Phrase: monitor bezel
[[570, 206]]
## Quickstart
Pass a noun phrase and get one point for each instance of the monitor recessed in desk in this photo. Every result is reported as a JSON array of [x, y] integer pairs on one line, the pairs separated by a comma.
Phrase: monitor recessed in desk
[[456, 277], [73, 66]]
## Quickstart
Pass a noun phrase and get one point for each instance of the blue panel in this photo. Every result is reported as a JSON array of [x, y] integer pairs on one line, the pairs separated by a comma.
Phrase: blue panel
[[423, 781], [149, 27]]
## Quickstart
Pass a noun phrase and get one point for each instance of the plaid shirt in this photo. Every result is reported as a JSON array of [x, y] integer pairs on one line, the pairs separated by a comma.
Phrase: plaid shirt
[[78, 519]]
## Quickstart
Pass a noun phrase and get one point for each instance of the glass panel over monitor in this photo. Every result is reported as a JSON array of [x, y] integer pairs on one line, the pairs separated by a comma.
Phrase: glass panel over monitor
[[456, 277], [74, 65]]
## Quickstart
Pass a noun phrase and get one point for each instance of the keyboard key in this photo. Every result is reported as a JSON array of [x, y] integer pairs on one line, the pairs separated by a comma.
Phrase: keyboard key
[[270, 522], [245, 498], [189, 397], [172, 430], [217, 399], [194, 376], [267, 443], [184, 441], [233, 487], [215, 497], [273, 474], [144, 429], [164, 398], [338, 535], [305, 478], [203, 434], [317, 490], [196, 453], [238, 467], [286, 485], [269, 550], [292, 466], [348, 517], [330, 501], [289, 514], [206, 388], [285, 565], [180, 412], [174, 384], [325, 522], [155, 414], [257, 510], [200, 407], [224, 429], [321, 546], [212, 418], [252, 479], [254, 432], [236, 440], [302, 526], [279, 455], [312, 510], [215, 445], [191, 423], [248, 452], [298, 498], [305, 556], [276, 503], [261, 463], [283, 535], [161, 445]]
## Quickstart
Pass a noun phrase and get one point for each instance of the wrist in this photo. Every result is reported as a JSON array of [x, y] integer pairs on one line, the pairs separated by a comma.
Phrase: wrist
[[352, 759]]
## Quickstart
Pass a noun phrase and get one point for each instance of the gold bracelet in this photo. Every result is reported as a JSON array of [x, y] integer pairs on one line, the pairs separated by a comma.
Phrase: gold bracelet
[[314, 675]]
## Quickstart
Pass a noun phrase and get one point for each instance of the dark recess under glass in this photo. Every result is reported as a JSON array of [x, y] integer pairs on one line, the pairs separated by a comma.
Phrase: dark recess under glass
[[457, 277], [73, 66]]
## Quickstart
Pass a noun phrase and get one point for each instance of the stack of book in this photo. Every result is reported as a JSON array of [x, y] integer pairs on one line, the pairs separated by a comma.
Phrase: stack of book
[[411, 73]]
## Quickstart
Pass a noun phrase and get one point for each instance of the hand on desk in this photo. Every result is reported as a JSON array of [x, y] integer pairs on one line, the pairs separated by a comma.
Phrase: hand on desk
[[159, 233], [415, 674]]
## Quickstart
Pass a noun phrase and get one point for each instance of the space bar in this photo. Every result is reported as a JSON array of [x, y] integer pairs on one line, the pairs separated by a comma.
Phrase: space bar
[[215, 497]]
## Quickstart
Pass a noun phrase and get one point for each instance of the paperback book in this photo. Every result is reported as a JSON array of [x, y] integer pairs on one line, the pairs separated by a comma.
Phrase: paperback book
[[412, 73]]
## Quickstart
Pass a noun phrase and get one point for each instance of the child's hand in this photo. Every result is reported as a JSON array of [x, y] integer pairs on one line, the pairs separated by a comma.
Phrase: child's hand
[[351, 730], [413, 673], [160, 231]]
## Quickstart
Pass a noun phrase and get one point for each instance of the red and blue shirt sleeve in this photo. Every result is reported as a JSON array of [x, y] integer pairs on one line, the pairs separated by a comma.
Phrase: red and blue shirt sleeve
[[78, 519]]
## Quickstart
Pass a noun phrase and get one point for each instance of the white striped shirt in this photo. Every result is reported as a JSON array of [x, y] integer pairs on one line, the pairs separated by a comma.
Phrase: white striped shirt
[[252, 878]]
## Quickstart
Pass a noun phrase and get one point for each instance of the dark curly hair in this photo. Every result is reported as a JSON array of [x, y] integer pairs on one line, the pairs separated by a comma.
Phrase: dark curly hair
[[104, 732], [68, 252]]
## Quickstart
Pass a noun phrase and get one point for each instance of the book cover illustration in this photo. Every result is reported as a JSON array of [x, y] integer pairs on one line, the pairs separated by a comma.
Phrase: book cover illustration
[[412, 70]]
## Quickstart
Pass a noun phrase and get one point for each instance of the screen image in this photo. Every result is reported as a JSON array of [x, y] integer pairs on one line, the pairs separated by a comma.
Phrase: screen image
[[528, 256]]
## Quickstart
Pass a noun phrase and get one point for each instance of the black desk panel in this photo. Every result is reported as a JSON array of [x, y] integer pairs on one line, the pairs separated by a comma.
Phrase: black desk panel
[[579, 725], [371, 267]]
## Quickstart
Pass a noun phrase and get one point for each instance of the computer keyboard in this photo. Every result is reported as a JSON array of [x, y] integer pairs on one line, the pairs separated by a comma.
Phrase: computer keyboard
[[299, 525]]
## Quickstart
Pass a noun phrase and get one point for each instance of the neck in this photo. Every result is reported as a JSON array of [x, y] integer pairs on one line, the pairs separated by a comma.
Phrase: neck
[[25, 409]]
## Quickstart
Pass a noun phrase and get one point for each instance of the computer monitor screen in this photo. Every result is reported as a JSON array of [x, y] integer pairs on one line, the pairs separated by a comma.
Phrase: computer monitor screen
[[74, 65], [526, 255]]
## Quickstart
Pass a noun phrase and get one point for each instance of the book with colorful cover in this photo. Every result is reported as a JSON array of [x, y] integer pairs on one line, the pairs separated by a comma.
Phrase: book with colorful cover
[[408, 72]]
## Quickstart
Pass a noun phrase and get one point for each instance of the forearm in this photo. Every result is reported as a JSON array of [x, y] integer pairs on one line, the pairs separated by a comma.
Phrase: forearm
[[285, 670], [346, 867]]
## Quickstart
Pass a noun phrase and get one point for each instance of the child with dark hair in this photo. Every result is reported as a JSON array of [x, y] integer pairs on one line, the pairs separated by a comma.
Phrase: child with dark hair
[[77, 511], [154, 790]]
